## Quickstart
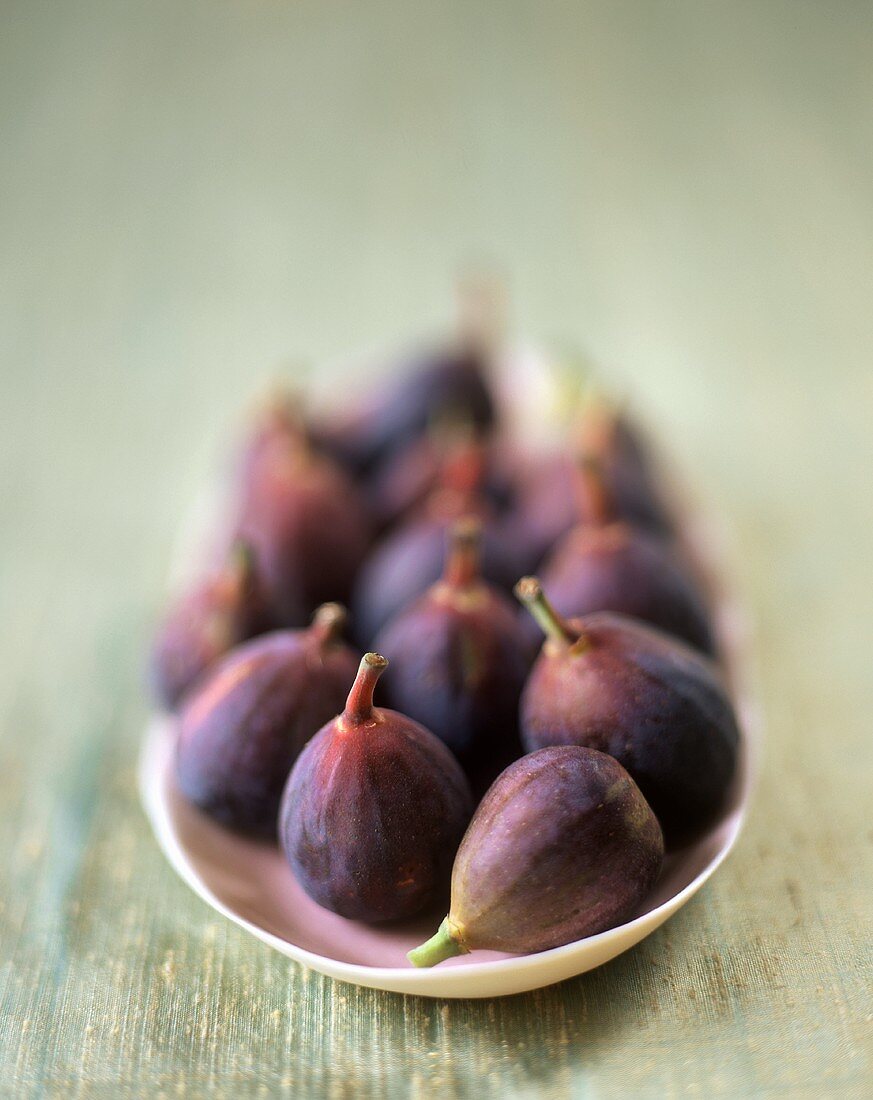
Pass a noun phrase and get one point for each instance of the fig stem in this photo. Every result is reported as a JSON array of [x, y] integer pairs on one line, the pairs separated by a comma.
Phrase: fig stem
[[359, 706], [594, 498], [242, 558], [530, 592], [462, 561], [441, 946], [328, 622]]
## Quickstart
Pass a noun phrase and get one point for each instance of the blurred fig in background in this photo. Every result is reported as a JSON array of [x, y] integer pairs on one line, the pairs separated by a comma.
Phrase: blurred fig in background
[[605, 564], [411, 558], [404, 481], [208, 620], [247, 723], [304, 519], [548, 501], [397, 410]]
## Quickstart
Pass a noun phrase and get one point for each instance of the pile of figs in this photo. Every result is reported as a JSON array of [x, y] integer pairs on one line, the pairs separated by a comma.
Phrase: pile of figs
[[448, 673]]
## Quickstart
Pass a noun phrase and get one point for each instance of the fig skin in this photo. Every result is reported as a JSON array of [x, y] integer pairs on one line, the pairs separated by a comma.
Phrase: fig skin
[[374, 810], [307, 526], [659, 707], [459, 661], [410, 559], [627, 571], [448, 381], [404, 482], [563, 846], [247, 723], [205, 623], [548, 507]]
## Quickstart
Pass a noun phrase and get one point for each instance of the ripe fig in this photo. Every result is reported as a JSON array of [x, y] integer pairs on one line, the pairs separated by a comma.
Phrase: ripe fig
[[244, 727], [459, 659], [306, 523], [225, 609], [659, 707], [548, 502], [608, 565], [562, 846], [404, 482], [605, 436], [374, 810], [410, 559], [445, 382]]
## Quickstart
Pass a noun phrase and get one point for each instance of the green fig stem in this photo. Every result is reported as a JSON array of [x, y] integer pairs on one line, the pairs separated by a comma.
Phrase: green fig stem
[[463, 558], [359, 706], [328, 623], [441, 946], [242, 559], [530, 592]]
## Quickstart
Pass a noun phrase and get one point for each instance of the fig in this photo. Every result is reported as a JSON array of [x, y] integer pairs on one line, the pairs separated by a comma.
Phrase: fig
[[410, 559], [563, 846], [207, 621], [605, 564], [445, 382], [659, 707], [404, 482], [374, 810], [607, 437], [548, 500], [243, 728], [459, 660], [306, 523]]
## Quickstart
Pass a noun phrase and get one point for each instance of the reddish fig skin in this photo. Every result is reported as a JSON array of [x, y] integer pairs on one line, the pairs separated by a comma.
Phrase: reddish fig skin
[[604, 564], [307, 526], [446, 382], [616, 568], [549, 503], [277, 425], [242, 730], [616, 445], [374, 811], [563, 846], [402, 484], [661, 709], [410, 559], [459, 660], [219, 613]]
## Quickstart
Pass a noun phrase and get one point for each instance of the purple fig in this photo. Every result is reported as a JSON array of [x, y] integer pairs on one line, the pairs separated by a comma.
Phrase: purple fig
[[410, 559], [563, 846], [459, 659], [306, 524], [242, 730], [374, 810], [225, 609], [403, 483], [448, 382], [659, 707], [549, 504], [608, 565], [605, 436]]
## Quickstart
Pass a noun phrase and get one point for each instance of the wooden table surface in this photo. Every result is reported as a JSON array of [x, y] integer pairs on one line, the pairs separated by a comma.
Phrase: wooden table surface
[[193, 192]]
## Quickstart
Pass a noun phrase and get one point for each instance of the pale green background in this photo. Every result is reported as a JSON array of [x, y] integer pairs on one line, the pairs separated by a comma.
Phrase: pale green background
[[190, 193]]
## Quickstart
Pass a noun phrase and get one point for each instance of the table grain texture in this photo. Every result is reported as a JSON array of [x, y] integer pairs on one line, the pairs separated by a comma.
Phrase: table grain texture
[[193, 194]]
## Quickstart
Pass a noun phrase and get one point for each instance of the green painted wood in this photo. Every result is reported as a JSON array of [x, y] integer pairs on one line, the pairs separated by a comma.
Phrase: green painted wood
[[192, 192]]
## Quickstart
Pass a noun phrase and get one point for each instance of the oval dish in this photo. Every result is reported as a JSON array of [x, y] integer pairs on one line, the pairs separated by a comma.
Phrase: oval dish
[[250, 883]]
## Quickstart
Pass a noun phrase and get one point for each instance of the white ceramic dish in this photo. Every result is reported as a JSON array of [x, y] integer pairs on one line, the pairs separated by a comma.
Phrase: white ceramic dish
[[251, 884]]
